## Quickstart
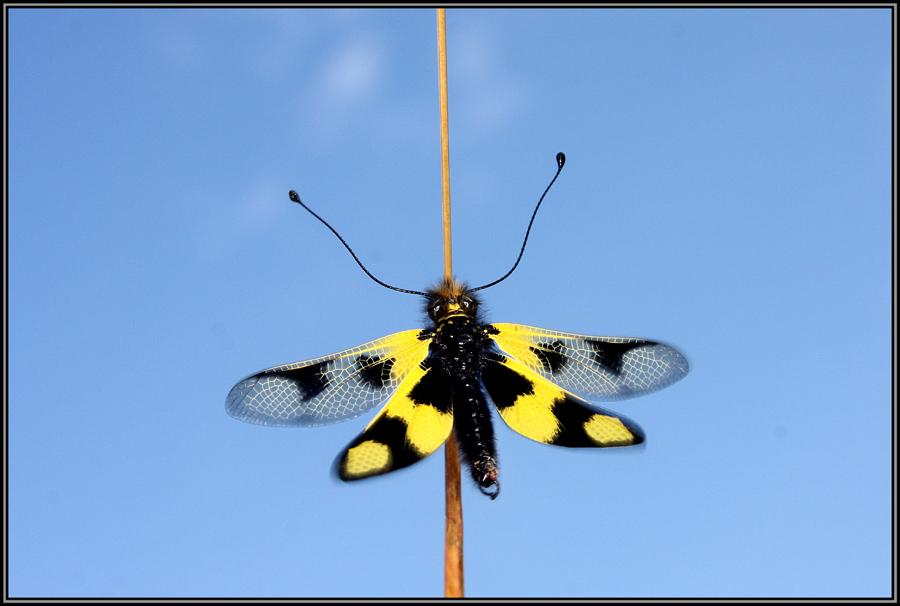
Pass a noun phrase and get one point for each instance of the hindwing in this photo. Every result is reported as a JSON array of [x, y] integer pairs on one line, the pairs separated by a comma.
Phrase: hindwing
[[412, 425], [332, 388], [541, 410], [601, 368]]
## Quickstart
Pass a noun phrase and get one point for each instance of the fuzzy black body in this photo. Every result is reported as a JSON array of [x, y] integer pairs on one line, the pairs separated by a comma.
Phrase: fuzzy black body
[[460, 347]]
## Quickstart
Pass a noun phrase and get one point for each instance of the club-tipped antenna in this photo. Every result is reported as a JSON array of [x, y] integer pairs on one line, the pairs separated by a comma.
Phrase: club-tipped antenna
[[560, 160], [296, 198]]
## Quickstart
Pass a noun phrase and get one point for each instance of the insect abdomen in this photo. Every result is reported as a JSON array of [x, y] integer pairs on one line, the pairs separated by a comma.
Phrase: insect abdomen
[[461, 346], [475, 434]]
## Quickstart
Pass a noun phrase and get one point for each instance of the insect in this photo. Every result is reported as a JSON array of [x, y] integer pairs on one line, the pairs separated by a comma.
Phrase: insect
[[443, 377]]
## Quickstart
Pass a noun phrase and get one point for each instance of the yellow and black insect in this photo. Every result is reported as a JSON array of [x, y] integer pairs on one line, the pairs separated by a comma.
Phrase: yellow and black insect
[[443, 376]]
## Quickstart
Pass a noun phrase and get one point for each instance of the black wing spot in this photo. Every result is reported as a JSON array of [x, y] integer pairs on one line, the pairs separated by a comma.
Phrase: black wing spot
[[571, 416], [551, 356], [311, 380], [609, 355], [503, 384], [373, 371], [433, 389]]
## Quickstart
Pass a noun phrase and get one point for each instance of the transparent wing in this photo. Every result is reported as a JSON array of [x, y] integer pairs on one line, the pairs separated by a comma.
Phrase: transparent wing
[[329, 389], [600, 368]]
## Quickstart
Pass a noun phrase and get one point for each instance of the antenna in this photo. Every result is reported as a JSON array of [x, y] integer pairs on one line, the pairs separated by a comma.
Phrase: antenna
[[560, 160], [296, 198]]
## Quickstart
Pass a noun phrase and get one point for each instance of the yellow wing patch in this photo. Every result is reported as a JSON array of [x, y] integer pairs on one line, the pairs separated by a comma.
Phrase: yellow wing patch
[[536, 408], [604, 429], [413, 424], [368, 459], [531, 414]]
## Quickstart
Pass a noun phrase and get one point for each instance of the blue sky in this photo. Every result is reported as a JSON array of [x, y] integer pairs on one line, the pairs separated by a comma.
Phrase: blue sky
[[727, 191]]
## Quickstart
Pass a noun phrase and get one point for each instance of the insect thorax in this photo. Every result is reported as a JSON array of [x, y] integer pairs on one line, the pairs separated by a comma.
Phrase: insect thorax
[[461, 344]]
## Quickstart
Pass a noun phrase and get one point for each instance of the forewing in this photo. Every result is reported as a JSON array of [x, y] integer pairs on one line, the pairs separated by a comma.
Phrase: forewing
[[412, 425], [538, 409], [330, 389], [601, 368]]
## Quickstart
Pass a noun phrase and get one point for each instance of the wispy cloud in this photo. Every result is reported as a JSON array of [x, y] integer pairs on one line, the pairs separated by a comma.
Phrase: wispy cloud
[[353, 72], [489, 96], [344, 88]]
